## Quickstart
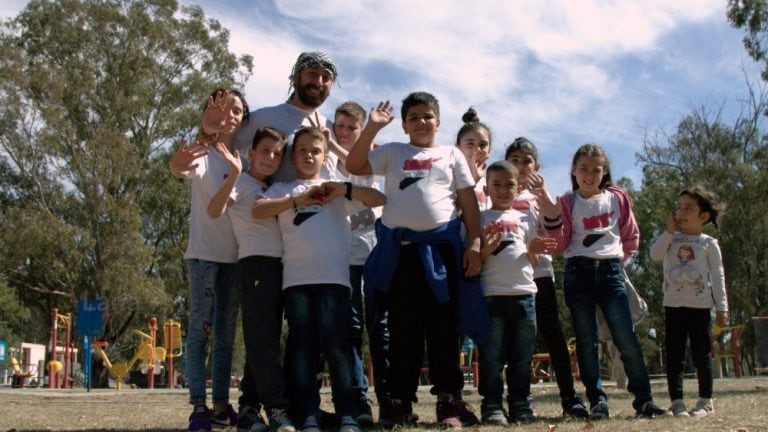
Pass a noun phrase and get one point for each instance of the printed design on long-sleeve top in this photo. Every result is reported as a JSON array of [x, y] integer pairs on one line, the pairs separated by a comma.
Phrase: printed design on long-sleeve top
[[510, 233], [684, 275], [595, 222], [362, 219], [304, 212], [415, 170]]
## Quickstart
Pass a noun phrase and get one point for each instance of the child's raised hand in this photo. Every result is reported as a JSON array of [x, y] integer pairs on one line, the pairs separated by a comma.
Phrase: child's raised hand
[[671, 224], [184, 157], [215, 113], [232, 158], [549, 209], [542, 245], [381, 115]]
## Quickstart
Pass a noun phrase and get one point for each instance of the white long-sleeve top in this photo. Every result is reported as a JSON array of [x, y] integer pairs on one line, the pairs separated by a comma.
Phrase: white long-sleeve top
[[693, 270]]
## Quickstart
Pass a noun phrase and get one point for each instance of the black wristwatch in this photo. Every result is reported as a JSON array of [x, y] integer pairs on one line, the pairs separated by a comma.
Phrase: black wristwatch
[[348, 195]]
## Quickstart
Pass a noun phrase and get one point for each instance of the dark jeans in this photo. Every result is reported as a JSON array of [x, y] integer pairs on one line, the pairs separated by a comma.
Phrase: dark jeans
[[548, 323], [415, 315], [261, 302], [511, 342], [318, 319], [378, 340], [589, 284], [682, 324]]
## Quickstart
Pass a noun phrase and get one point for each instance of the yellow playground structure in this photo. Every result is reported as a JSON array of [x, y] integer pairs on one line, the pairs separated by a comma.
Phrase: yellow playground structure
[[150, 356]]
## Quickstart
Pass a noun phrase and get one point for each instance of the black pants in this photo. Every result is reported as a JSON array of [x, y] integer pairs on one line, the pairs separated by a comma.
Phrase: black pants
[[682, 324], [548, 323], [415, 315]]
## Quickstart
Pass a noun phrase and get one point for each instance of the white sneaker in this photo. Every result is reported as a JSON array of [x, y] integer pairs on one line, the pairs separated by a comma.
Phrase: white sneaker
[[678, 409], [703, 408]]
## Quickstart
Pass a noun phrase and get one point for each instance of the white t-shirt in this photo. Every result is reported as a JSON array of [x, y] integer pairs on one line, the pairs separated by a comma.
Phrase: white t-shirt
[[209, 239], [254, 236], [508, 270], [316, 239], [596, 232], [362, 221], [526, 201], [693, 271], [421, 184], [286, 118], [483, 200]]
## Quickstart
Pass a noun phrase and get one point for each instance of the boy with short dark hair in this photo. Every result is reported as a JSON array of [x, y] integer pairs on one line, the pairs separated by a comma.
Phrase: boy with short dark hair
[[420, 259], [316, 246]]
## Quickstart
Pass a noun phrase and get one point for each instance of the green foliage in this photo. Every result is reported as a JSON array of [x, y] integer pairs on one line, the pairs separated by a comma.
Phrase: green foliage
[[753, 16], [93, 94], [13, 315]]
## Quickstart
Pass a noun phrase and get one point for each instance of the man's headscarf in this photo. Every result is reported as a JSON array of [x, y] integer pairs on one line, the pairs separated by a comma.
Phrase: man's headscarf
[[314, 59]]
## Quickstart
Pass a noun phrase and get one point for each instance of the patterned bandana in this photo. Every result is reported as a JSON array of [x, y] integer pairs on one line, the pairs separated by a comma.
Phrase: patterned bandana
[[314, 59]]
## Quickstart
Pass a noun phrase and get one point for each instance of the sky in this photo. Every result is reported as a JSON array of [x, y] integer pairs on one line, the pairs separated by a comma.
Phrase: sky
[[561, 73]]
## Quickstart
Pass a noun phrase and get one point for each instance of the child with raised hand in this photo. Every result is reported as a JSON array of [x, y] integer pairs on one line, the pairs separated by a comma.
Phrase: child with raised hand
[[522, 153], [474, 141], [316, 247], [211, 258], [347, 126], [420, 260], [507, 279], [598, 234], [694, 283], [260, 273]]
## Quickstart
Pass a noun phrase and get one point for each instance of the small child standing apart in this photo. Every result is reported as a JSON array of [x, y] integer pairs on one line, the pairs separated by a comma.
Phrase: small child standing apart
[[420, 260], [507, 279], [598, 234], [316, 248], [694, 282]]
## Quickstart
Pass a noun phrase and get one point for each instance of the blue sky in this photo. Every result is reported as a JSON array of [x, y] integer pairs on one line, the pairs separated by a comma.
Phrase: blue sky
[[561, 73]]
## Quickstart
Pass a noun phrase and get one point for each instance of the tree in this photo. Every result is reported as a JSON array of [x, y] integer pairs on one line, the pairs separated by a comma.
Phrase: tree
[[94, 94], [752, 14]]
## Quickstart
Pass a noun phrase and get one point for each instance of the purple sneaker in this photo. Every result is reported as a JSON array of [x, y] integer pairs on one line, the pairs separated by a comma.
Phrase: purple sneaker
[[200, 419]]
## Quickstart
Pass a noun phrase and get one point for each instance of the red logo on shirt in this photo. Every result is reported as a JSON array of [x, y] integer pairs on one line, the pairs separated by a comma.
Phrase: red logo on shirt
[[597, 221], [417, 164]]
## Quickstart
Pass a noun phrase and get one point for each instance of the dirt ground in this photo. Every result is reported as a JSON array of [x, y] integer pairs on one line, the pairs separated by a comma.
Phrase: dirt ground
[[740, 405]]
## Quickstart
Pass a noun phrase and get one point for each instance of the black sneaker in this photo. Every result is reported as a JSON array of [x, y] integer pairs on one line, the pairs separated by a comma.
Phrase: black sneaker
[[279, 420], [225, 418], [650, 410], [249, 420], [327, 419], [574, 407], [396, 412], [599, 411], [364, 413]]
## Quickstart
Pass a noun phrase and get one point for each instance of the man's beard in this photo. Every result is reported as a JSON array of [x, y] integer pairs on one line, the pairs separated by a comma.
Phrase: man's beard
[[302, 91]]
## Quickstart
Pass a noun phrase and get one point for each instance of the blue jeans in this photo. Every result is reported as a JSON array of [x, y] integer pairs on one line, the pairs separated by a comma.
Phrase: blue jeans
[[511, 342], [318, 319], [212, 299], [378, 338], [592, 283]]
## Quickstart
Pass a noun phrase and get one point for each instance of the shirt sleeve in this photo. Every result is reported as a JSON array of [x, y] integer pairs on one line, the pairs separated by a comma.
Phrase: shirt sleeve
[[717, 275], [379, 158], [660, 246], [462, 176]]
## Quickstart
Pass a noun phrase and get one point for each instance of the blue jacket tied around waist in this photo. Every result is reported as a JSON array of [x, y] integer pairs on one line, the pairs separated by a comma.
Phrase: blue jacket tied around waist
[[474, 319]]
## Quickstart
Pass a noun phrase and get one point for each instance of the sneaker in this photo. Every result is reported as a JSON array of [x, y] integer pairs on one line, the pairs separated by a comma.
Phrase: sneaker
[[525, 418], [396, 412], [677, 409], [650, 410], [495, 416], [200, 419], [225, 418], [328, 419], [279, 420], [599, 411], [249, 420], [466, 413], [311, 424], [364, 413], [574, 407], [445, 409], [703, 408], [349, 424]]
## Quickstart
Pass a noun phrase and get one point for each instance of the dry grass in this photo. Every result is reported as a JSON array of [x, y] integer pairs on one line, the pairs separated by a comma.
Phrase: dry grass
[[740, 405]]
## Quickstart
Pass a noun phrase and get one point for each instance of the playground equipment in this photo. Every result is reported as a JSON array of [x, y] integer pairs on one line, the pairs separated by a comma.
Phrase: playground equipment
[[19, 374], [54, 376], [149, 355]]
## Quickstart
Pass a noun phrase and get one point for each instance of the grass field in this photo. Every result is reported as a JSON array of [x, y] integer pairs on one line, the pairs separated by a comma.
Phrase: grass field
[[740, 405]]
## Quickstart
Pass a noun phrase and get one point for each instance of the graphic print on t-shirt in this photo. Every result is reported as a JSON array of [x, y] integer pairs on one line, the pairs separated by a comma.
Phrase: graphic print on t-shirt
[[305, 212], [415, 170], [684, 275], [595, 222], [363, 219], [508, 231]]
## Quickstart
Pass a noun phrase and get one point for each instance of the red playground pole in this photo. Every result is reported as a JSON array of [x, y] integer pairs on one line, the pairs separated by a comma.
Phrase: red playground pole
[[169, 355], [67, 350], [54, 331], [151, 368]]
